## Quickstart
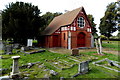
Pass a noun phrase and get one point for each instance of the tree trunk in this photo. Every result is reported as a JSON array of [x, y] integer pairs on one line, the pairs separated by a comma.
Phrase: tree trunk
[[108, 40]]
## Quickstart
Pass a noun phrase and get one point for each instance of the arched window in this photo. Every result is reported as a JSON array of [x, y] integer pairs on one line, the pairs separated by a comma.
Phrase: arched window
[[81, 22]]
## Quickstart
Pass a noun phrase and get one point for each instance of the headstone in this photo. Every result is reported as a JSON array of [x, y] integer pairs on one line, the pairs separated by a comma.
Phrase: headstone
[[40, 66], [75, 51], [8, 49], [1, 45], [61, 78], [26, 74], [46, 76], [15, 69], [25, 48], [26, 78], [30, 65], [52, 72], [16, 46], [1, 57], [29, 42], [46, 70], [83, 67]]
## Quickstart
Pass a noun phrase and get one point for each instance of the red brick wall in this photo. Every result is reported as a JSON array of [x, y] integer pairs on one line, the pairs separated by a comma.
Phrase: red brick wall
[[64, 42], [73, 40], [49, 40], [84, 30]]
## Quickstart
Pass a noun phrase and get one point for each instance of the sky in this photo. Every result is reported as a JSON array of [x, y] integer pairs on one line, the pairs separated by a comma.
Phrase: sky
[[95, 7]]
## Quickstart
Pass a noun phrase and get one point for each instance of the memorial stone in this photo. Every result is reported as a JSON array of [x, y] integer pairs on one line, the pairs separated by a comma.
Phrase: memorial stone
[[29, 42], [75, 52], [16, 46], [8, 49], [25, 48], [83, 67], [15, 68]]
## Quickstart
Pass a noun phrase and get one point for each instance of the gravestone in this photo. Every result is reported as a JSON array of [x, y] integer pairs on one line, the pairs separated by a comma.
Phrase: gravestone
[[16, 46], [29, 42], [52, 72], [61, 78], [15, 68], [8, 49], [25, 48], [1, 45], [75, 52], [83, 67]]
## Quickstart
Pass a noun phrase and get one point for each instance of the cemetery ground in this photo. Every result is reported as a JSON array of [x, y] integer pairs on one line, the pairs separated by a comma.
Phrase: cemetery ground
[[57, 62]]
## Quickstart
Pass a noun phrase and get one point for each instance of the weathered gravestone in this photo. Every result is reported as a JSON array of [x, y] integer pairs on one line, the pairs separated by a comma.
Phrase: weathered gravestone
[[15, 68], [83, 67], [16, 46], [61, 78], [25, 48], [75, 52], [1, 44], [8, 49], [52, 72]]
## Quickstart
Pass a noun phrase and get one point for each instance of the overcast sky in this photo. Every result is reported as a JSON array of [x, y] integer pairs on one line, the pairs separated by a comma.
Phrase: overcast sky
[[94, 7]]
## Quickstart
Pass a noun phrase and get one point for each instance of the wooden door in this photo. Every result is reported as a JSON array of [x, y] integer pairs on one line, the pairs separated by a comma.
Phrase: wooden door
[[55, 41], [81, 40]]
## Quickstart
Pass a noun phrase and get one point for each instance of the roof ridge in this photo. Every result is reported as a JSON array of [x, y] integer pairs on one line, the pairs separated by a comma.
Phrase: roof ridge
[[70, 11]]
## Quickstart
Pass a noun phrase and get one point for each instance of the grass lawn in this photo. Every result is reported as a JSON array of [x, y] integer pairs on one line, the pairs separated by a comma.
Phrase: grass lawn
[[49, 61], [114, 45]]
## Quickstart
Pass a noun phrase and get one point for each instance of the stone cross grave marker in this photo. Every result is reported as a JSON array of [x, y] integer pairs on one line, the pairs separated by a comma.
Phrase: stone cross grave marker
[[15, 67], [83, 67]]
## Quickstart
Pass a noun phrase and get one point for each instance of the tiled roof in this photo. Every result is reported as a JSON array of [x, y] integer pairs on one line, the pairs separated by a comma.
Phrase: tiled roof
[[62, 20]]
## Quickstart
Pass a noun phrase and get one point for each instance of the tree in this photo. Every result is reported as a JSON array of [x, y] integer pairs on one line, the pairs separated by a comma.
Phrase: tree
[[0, 26], [21, 21], [108, 23], [48, 17], [91, 18], [118, 14]]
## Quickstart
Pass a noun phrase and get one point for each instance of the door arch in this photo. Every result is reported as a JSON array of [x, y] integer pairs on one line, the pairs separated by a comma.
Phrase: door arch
[[81, 40]]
